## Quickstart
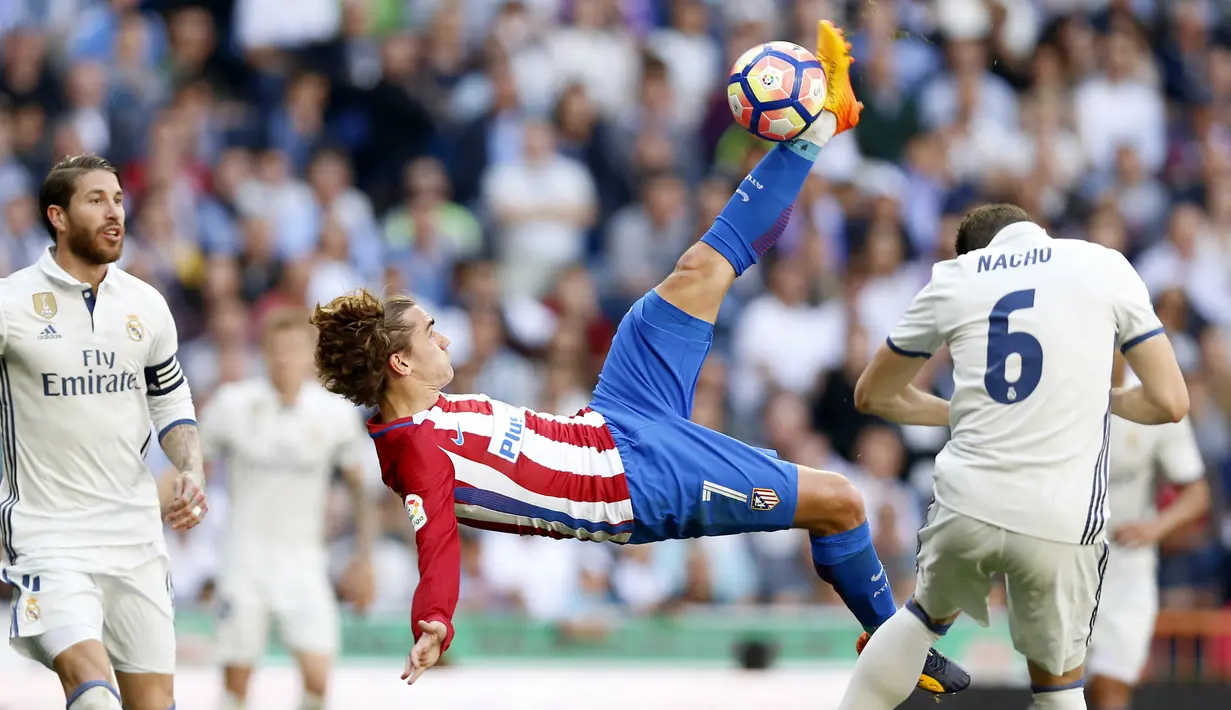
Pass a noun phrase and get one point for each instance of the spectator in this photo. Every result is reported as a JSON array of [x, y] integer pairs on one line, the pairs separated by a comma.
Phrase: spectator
[[1119, 108], [645, 239], [770, 326], [691, 55], [1190, 260], [541, 206], [595, 50], [427, 232]]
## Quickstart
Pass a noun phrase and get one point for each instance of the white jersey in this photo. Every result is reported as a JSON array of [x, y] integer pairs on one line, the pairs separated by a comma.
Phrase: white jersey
[[1030, 322], [1140, 453], [82, 375], [279, 462]]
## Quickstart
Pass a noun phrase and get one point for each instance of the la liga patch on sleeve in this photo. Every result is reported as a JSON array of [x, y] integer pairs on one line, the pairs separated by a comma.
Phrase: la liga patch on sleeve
[[416, 512]]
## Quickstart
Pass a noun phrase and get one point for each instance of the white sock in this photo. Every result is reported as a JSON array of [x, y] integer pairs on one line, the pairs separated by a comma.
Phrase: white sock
[[311, 702], [821, 130], [888, 669], [1071, 699], [230, 702], [99, 697]]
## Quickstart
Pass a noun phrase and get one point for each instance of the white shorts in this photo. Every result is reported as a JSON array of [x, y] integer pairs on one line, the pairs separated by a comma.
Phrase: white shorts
[[301, 601], [1121, 642], [130, 611], [1053, 587]]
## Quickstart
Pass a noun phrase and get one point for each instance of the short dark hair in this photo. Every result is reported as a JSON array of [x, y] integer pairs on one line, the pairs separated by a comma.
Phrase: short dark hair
[[981, 225], [61, 183]]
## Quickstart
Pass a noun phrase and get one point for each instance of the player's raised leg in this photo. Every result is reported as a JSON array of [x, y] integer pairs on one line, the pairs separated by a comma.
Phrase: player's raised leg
[[759, 210]]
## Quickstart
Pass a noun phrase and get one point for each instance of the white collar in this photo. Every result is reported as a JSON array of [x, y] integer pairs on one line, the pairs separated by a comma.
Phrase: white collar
[[47, 263]]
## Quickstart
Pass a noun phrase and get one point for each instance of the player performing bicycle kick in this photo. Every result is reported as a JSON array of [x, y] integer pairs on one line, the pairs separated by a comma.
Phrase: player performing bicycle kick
[[631, 467]]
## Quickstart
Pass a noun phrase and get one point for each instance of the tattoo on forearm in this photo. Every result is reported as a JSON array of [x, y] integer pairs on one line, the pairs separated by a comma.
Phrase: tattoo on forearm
[[182, 445]]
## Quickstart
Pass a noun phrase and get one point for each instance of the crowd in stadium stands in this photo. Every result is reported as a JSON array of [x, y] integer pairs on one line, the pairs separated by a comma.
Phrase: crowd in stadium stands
[[527, 168]]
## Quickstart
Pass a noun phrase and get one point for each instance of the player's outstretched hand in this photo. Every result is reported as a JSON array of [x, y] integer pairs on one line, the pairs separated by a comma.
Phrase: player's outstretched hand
[[426, 651], [189, 506]]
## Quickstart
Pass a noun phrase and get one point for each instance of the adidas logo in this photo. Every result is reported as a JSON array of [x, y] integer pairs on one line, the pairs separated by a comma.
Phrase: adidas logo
[[49, 333]]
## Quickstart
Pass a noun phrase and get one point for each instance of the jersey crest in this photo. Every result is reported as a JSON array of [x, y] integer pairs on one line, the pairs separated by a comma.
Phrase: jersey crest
[[45, 304], [136, 331], [763, 499]]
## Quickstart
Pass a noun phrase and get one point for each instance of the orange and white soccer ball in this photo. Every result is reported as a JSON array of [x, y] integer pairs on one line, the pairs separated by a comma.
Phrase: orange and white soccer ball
[[776, 90]]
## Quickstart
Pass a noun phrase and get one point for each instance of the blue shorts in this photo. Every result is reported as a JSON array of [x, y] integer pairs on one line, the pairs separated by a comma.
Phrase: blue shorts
[[684, 480]]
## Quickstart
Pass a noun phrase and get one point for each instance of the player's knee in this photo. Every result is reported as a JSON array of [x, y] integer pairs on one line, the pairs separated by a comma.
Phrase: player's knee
[[828, 503], [94, 695], [699, 263], [80, 664]]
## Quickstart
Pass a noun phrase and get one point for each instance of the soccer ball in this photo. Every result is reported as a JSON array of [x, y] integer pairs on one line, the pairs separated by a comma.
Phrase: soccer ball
[[776, 90]]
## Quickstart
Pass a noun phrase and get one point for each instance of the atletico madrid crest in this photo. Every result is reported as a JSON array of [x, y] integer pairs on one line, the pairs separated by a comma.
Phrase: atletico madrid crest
[[763, 499]]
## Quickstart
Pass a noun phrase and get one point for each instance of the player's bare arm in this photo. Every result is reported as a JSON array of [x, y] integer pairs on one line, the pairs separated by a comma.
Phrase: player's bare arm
[[182, 445], [1162, 396], [1192, 502], [358, 584], [885, 390]]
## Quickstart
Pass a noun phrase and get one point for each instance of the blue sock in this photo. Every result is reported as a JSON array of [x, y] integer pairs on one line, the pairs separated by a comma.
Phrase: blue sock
[[758, 212], [849, 562]]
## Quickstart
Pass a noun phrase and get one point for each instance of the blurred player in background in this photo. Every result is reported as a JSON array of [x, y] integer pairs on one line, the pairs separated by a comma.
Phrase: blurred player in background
[[89, 362], [1021, 487], [631, 468], [1121, 641], [281, 437]]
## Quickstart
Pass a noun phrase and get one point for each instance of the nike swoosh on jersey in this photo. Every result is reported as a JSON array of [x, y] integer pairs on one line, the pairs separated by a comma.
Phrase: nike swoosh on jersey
[[878, 575], [461, 437]]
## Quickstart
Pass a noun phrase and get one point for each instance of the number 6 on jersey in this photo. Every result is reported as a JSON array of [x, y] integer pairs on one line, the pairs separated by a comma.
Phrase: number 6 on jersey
[[1001, 344]]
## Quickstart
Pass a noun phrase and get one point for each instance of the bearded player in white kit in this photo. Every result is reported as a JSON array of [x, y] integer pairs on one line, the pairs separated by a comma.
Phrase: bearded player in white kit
[[1139, 456], [88, 365], [282, 436], [1021, 487]]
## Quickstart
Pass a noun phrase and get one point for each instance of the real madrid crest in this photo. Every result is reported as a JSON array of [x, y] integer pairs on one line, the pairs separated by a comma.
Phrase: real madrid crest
[[45, 304], [136, 331], [32, 612]]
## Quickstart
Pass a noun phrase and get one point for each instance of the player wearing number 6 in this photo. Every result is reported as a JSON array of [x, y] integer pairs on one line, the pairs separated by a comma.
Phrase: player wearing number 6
[[1021, 487]]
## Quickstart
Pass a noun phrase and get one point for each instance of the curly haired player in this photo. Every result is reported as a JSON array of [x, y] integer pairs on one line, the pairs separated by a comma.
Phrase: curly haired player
[[631, 467]]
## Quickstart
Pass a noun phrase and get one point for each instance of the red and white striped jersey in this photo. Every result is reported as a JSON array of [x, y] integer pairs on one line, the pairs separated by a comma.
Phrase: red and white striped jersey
[[486, 464]]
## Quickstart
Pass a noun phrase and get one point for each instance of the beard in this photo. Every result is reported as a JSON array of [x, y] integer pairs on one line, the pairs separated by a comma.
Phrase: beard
[[91, 246]]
